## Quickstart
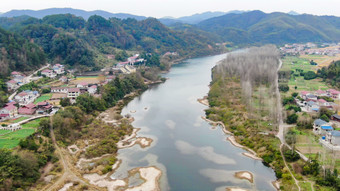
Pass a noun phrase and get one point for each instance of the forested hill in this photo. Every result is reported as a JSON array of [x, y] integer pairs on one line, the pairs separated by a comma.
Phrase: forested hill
[[16, 53], [73, 41], [259, 27]]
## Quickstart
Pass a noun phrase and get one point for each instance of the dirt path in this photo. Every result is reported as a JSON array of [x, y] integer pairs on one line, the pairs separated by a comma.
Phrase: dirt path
[[69, 173], [281, 126]]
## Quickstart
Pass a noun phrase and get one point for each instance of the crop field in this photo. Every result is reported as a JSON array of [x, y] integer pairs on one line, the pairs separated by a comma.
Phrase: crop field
[[296, 81], [18, 120], [322, 60], [12, 139], [43, 97], [87, 79]]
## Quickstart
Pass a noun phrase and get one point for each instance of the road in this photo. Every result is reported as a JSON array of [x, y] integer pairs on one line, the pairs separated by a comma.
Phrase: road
[[28, 79]]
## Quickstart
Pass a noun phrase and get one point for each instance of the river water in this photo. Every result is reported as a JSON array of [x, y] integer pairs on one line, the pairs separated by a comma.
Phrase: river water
[[192, 155]]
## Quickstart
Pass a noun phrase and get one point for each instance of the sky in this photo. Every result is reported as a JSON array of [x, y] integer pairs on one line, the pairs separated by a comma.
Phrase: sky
[[178, 8]]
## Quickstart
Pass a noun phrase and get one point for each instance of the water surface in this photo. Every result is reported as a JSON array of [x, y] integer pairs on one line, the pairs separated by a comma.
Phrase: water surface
[[192, 155]]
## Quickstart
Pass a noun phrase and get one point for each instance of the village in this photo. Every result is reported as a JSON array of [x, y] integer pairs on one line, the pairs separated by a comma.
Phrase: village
[[62, 85], [329, 49], [328, 128]]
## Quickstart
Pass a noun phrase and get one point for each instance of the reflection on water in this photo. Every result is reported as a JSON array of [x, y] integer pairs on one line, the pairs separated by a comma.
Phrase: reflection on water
[[191, 155]]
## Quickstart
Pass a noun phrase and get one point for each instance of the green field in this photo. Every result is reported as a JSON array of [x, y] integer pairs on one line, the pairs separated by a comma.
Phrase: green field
[[43, 97], [12, 139], [292, 64], [32, 124], [2, 131]]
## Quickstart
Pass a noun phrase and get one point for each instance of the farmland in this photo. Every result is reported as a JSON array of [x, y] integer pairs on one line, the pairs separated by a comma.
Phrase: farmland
[[43, 97], [297, 83], [10, 139]]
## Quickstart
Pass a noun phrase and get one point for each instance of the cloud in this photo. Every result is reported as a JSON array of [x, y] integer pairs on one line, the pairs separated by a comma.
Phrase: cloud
[[170, 124], [206, 153]]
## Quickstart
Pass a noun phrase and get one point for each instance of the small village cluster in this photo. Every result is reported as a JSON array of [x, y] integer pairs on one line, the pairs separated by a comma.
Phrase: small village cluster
[[330, 137], [330, 49], [23, 103], [127, 67]]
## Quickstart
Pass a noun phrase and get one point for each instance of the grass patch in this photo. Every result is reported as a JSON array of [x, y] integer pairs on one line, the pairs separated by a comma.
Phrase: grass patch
[[3, 131], [11, 140], [43, 97], [32, 124], [306, 186]]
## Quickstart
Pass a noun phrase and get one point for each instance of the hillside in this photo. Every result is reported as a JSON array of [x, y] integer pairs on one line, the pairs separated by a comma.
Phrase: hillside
[[258, 27], [81, 13], [18, 54], [73, 41]]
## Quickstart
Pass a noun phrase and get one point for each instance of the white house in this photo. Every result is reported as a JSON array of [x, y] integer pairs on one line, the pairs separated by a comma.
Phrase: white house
[[59, 89], [312, 106], [58, 69], [26, 97], [333, 137], [12, 84], [73, 93], [9, 111], [82, 85], [49, 73], [317, 125], [92, 89]]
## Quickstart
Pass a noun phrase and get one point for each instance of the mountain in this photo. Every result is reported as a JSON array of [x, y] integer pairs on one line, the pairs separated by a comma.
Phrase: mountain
[[257, 27], [293, 13], [196, 18], [76, 42], [81, 13]]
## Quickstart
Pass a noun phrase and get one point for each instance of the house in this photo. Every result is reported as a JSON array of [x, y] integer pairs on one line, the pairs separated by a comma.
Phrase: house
[[333, 137], [335, 117], [312, 106], [132, 59], [82, 85], [64, 79], [26, 97], [303, 94], [59, 89], [12, 84], [73, 93], [323, 103], [9, 111], [92, 89], [317, 125], [28, 109], [321, 93], [121, 64], [311, 97], [333, 93], [48, 73], [44, 107], [58, 69], [324, 129], [109, 78]]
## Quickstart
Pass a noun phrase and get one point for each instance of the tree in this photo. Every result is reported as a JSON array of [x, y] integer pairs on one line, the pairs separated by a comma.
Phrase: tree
[[309, 75], [292, 118], [65, 102], [324, 117]]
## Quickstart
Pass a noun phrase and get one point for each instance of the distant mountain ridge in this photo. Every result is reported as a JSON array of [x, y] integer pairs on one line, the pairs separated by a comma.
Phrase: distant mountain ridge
[[80, 13], [258, 27], [196, 18]]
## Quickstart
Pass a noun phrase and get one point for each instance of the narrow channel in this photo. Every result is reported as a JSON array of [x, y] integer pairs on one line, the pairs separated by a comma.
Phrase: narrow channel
[[192, 155]]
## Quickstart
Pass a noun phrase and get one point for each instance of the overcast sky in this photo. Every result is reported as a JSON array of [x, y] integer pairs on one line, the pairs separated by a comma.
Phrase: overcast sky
[[177, 8]]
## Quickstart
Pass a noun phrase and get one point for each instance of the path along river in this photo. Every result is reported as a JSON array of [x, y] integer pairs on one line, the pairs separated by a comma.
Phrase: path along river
[[192, 155]]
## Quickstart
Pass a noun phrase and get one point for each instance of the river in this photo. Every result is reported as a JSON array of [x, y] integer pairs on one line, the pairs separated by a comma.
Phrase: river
[[192, 155]]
